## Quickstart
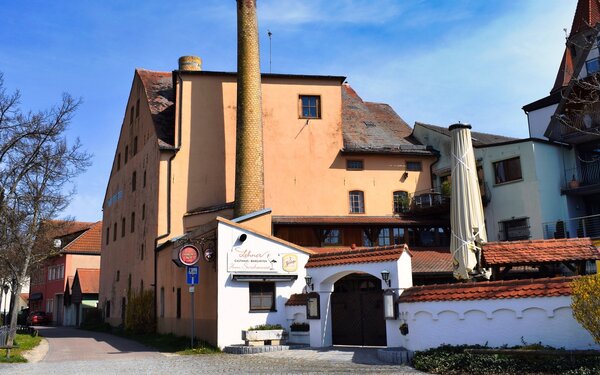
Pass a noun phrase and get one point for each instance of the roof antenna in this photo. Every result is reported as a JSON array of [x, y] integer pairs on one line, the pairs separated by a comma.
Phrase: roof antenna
[[269, 33]]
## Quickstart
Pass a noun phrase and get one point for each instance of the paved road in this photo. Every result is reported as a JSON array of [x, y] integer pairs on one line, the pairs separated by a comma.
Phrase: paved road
[[69, 344], [72, 351]]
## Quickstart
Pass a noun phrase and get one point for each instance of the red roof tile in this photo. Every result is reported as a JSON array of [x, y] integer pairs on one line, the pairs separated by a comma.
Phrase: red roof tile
[[297, 300], [437, 260], [89, 280], [358, 255], [550, 287], [89, 241], [62, 228], [539, 251]]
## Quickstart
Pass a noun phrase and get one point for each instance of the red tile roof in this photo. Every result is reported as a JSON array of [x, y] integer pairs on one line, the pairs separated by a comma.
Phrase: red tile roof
[[89, 280], [359, 220], [297, 300], [62, 228], [550, 287], [539, 251], [89, 241], [358, 255], [437, 260]]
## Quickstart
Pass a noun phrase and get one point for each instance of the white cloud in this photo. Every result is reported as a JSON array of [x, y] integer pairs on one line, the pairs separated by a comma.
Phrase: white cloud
[[483, 77]]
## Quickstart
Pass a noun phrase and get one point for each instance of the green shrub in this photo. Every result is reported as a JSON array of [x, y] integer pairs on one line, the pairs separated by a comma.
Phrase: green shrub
[[139, 314], [299, 327], [585, 303], [265, 327], [454, 360]]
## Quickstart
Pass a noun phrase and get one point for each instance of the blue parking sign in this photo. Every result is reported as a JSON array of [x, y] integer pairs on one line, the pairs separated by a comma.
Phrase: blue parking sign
[[192, 275]]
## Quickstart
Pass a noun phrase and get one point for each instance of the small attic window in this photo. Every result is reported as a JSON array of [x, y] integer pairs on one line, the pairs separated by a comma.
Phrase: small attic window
[[369, 124]]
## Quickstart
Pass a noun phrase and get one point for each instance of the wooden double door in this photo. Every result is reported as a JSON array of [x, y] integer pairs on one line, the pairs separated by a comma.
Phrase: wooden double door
[[357, 311]]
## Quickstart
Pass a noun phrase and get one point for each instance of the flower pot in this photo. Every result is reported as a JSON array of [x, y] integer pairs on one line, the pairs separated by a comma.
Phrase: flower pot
[[264, 337]]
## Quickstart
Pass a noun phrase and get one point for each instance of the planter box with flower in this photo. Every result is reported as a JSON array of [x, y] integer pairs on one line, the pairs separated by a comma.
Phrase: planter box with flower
[[299, 333], [264, 334]]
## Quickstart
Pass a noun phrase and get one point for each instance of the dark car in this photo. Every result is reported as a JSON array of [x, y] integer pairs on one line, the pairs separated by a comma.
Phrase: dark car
[[37, 318]]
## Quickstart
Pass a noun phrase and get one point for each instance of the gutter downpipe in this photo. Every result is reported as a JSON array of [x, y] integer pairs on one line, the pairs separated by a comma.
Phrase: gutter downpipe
[[437, 158], [162, 236]]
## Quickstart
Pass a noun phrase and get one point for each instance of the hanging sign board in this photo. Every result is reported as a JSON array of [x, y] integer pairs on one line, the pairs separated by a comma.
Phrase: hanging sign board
[[189, 255], [261, 261]]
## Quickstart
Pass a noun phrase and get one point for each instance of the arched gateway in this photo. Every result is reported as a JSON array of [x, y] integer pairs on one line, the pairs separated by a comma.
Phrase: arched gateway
[[357, 311]]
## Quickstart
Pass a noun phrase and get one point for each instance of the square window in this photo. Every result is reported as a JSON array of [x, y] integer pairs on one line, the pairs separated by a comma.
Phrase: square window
[[384, 237], [398, 234], [262, 296], [508, 170], [514, 230], [310, 106], [354, 165], [357, 202], [414, 166], [331, 237]]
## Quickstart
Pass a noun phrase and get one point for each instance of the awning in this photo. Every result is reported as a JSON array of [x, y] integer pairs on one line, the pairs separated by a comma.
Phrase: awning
[[36, 296], [248, 278]]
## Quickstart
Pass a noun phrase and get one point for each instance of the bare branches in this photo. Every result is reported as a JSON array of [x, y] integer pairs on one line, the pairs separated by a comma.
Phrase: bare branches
[[36, 165]]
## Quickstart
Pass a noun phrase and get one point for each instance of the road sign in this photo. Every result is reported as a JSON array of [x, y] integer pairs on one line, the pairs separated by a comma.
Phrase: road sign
[[192, 275]]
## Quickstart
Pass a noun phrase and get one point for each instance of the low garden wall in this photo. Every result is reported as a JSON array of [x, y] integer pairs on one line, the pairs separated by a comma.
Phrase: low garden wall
[[492, 322]]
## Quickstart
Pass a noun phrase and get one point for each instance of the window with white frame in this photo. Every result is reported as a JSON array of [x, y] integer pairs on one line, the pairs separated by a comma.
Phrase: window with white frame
[[357, 202]]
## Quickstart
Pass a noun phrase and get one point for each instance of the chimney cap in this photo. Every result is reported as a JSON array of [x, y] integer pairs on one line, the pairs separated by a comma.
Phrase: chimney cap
[[190, 63]]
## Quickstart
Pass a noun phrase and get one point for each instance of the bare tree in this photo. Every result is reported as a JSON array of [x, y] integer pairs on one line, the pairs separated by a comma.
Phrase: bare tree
[[36, 168]]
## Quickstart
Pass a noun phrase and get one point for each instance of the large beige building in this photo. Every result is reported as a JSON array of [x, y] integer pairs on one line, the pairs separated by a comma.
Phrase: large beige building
[[338, 171]]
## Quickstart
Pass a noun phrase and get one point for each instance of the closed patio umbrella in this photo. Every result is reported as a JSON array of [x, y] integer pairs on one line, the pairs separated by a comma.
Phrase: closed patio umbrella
[[466, 210]]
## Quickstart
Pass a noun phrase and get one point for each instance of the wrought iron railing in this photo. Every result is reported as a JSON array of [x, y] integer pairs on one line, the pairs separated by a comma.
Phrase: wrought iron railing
[[585, 226]]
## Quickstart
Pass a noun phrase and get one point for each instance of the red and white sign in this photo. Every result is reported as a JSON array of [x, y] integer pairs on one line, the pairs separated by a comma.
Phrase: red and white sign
[[189, 255]]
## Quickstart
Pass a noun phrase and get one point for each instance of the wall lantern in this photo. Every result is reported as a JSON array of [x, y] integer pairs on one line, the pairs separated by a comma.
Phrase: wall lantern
[[309, 283], [390, 307], [313, 306], [385, 275]]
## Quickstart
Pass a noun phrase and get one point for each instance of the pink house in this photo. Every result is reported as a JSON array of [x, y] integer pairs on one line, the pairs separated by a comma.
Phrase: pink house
[[79, 246]]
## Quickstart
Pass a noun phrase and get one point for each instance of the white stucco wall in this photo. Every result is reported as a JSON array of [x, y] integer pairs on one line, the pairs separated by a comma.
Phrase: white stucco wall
[[233, 296], [324, 279], [539, 120], [493, 322]]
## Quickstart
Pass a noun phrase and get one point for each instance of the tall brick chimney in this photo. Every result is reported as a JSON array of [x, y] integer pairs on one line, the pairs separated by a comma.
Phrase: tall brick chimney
[[249, 173]]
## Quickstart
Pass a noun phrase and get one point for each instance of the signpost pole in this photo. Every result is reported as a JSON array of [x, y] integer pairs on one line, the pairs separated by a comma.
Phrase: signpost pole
[[193, 315]]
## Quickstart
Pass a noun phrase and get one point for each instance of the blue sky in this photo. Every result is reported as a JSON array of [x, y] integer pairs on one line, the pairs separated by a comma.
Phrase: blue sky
[[437, 62]]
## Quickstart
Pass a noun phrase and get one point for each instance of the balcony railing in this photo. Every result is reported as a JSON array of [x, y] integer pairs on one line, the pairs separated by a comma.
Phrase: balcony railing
[[585, 226], [426, 200], [588, 173]]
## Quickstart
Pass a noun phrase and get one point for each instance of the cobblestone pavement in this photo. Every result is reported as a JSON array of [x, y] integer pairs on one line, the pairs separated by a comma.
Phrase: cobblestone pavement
[[129, 358]]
